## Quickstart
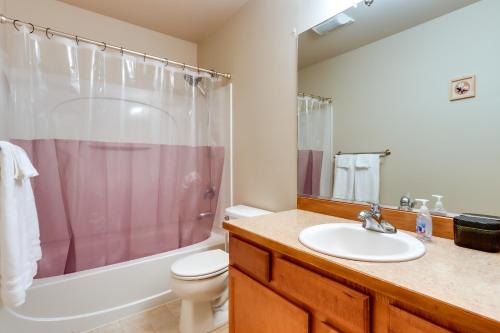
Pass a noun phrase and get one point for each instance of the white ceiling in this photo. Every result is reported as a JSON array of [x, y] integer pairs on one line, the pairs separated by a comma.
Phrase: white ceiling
[[190, 20], [382, 19]]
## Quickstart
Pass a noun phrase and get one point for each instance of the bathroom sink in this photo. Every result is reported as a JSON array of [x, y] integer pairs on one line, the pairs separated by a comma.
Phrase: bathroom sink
[[352, 241]]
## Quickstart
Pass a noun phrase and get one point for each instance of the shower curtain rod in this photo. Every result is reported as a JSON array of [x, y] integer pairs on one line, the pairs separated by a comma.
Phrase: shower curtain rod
[[323, 99], [49, 33]]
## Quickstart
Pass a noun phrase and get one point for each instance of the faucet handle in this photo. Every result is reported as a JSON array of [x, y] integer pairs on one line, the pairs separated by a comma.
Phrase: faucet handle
[[375, 211], [374, 208]]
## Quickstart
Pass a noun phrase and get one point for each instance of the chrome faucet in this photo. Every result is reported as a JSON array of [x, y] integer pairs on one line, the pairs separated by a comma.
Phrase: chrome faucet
[[406, 203], [372, 220]]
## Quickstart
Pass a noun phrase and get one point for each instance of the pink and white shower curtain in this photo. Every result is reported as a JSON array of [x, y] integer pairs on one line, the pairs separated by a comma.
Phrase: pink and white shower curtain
[[314, 156], [131, 153]]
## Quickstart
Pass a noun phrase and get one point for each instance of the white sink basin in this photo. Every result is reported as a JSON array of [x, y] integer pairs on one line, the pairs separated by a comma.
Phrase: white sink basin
[[352, 241]]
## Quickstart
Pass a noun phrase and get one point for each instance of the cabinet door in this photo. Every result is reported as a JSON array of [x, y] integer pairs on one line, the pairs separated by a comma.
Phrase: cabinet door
[[256, 309], [346, 308]]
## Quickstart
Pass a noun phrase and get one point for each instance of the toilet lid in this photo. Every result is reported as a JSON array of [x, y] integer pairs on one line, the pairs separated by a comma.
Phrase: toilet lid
[[201, 264]]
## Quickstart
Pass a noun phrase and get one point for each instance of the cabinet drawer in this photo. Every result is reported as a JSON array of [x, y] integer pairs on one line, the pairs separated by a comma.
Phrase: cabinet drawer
[[348, 309], [401, 321], [256, 309], [250, 259]]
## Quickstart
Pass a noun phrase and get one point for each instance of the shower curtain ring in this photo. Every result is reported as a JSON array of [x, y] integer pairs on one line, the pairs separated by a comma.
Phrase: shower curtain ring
[[166, 62], [184, 67], [32, 28], [121, 50], [77, 40], [47, 33], [15, 26], [105, 46], [144, 57]]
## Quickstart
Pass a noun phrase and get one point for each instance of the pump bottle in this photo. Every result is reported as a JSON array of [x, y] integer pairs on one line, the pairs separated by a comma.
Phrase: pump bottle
[[424, 221], [439, 207]]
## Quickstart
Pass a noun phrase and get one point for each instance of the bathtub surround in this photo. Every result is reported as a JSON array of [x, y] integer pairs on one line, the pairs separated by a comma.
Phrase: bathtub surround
[[104, 294], [395, 93], [19, 232]]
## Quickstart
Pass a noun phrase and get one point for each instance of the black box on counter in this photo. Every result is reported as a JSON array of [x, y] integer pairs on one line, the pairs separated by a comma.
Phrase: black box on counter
[[478, 232]]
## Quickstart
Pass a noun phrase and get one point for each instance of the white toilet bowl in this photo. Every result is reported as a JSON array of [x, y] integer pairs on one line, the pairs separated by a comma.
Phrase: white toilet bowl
[[200, 280]]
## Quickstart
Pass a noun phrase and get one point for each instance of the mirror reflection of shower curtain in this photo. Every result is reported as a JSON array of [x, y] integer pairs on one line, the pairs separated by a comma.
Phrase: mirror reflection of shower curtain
[[4, 89], [315, 157], [130, 153]]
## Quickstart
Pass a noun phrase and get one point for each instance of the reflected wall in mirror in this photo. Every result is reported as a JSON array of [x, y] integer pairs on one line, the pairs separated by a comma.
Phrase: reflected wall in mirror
[[389, 71]]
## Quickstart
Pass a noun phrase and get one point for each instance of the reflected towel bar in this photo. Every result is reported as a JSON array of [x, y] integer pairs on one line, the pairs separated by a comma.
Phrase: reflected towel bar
[[385, 153]]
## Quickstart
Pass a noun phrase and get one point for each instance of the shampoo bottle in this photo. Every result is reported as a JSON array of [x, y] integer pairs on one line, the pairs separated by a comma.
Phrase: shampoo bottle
[[424, 221]]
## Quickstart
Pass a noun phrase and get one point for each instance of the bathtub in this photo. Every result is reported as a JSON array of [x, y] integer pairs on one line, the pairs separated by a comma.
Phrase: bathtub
[[84, 300]]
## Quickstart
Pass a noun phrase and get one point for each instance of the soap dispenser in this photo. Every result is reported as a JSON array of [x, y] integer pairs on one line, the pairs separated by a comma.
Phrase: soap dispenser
[[438, 206], [424, 221]]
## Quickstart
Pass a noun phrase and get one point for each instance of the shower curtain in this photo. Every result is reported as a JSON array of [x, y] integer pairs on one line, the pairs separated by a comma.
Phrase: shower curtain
[[314, 165], [130, 152]]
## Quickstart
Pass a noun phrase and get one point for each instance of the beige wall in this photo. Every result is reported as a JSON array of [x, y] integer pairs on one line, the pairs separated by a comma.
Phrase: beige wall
[[258, 47], [394, 94], [60, 16]]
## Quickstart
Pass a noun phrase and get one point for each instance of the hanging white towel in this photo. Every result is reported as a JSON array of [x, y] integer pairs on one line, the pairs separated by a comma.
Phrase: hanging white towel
[[343, 185], [367, 178], [19, 231]]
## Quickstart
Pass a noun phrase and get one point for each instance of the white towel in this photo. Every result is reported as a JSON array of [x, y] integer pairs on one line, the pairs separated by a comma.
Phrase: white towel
[[19, 231], [343, 185], [367, 178]]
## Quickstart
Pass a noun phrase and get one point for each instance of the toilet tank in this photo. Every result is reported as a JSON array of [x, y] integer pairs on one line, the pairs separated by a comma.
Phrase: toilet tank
[[241, 211]]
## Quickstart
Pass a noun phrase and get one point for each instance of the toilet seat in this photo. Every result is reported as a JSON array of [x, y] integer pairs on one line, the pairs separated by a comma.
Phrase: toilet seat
[[201, 265]]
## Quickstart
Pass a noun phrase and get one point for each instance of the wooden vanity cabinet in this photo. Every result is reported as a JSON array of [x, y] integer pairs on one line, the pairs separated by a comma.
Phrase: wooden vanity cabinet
[[272, 293]]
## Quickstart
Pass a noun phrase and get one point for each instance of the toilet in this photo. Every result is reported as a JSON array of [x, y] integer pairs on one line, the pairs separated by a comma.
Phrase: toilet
[[200, 280]]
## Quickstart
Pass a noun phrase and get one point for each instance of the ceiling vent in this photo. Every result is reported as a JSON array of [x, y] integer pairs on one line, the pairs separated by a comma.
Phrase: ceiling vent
[[333, 23]]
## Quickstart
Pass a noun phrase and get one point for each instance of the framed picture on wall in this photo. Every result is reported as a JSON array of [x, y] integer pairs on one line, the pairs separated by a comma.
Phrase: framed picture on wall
[[464, 87]]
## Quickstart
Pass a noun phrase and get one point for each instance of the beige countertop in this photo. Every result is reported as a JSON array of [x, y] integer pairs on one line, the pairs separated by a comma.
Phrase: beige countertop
[[464, 278]]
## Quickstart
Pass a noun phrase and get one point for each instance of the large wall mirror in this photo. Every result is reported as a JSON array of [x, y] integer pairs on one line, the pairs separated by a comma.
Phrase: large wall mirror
[[400, 98]]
